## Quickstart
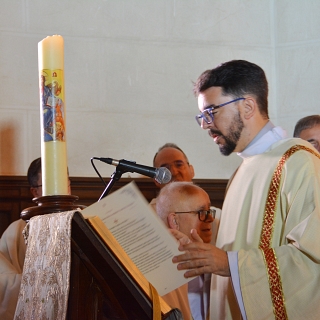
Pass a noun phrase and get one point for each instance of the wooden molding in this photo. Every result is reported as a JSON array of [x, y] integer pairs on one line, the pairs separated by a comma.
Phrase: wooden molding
[[15, 193]]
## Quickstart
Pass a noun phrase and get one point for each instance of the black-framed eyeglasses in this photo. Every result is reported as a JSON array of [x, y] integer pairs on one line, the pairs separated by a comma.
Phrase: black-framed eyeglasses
[[178, 164], [208, 115], [40, 185], [203, 215]]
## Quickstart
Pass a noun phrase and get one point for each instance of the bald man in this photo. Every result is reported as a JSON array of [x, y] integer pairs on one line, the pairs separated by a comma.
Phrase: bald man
[[185, 206]]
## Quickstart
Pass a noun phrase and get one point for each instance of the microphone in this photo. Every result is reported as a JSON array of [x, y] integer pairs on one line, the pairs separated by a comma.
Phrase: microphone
[[162, 175]]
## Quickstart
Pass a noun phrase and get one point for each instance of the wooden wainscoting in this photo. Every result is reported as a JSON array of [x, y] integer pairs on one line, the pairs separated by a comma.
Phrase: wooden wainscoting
[[15, 193]]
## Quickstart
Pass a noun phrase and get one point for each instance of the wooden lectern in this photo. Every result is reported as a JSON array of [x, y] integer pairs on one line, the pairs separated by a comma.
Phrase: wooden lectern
[[101, 288]]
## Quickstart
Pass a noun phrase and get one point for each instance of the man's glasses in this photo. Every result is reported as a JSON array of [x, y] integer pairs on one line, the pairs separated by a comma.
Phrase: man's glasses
[[178, 164], [40, 185], [203, 215], [208, 115]]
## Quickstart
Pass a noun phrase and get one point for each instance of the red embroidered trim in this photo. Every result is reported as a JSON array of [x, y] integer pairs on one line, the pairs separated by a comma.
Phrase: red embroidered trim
[[267, 233]]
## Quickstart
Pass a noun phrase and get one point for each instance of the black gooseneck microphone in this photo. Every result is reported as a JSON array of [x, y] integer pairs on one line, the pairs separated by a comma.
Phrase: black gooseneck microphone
[[162, 175]]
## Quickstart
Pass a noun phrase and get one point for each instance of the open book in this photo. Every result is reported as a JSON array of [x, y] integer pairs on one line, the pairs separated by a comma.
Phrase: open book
[[128, 220]]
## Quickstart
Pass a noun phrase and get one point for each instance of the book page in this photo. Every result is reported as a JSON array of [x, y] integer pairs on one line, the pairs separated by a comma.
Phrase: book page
[[142, 235]]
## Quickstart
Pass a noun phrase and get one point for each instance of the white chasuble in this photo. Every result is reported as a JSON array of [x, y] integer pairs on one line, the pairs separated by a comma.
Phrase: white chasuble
[[293, 260]]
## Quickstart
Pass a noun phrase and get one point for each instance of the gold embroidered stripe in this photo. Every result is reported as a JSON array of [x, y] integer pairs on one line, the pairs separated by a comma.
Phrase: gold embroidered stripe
[[267, 233], [275, 284]]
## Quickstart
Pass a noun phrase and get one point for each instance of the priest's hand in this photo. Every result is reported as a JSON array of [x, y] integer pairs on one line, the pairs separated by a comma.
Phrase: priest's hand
[[200, 258]]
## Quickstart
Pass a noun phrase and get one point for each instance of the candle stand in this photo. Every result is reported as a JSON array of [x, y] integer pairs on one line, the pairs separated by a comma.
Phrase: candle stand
[[51, 204]]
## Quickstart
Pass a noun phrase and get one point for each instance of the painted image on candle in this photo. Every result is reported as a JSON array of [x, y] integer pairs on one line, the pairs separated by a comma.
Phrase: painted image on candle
[[52, 104]]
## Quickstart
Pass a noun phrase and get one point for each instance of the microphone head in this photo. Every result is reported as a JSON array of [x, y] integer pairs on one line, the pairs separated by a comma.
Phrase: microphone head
[[163, 175]]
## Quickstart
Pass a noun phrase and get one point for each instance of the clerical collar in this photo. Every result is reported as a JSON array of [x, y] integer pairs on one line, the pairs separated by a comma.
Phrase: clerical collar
[[266, 137], [268, 126]]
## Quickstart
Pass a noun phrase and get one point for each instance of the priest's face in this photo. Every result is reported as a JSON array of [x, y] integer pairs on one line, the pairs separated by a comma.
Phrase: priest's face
[[226, 126]]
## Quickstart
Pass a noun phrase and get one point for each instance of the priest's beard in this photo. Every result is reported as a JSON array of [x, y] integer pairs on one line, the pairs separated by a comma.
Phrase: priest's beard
[[232, 138]]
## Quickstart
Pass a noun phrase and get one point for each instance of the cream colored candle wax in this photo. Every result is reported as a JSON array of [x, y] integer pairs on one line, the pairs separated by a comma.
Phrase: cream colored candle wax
[[53, 116]]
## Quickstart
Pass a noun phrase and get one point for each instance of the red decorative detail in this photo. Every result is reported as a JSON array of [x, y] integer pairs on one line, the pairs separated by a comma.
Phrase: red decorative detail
[[267, 233]]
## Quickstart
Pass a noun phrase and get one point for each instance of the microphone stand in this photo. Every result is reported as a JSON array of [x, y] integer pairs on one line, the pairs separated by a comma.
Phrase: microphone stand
[[114, 177]]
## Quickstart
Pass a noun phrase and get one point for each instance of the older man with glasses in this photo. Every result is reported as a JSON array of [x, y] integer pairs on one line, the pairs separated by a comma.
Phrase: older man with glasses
[[185, 206], [35, 178], [175, 160]]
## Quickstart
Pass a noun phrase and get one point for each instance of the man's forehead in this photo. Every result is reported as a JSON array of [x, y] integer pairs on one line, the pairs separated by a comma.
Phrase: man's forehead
[[193, 202], [311, 133], [209, 97]]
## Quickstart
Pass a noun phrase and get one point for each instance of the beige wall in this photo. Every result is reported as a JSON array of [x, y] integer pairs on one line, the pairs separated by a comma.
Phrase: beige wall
[[129, 67]]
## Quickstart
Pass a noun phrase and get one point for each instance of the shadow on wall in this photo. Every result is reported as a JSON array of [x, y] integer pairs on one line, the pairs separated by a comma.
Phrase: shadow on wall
[[7, 145]]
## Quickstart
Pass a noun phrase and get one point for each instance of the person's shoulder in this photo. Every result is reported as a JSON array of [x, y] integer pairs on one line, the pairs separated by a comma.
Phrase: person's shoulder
[[300, 155], [18, 224], [287, 143], [14, 228], [291, 145]]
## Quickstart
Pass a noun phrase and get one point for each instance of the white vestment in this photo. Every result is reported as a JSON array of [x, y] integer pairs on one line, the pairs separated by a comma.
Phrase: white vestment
[[295, 237], [12, 254]]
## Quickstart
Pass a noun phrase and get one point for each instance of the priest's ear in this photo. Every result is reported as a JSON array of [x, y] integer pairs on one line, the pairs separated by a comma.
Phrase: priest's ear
[[250, 107], [172, 221]]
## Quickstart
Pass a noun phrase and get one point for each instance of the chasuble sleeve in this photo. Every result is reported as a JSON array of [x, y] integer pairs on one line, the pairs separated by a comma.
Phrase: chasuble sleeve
[[293, 277]]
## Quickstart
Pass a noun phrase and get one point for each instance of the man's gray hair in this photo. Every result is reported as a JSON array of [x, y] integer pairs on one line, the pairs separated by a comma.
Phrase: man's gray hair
[[306, 123], [169, 145], [168, 198]]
